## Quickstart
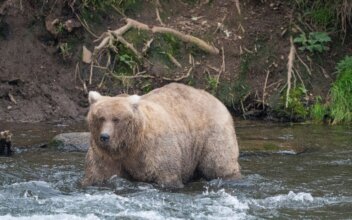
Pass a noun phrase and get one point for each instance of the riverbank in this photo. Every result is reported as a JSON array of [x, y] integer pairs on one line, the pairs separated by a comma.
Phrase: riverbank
[[43, 76]]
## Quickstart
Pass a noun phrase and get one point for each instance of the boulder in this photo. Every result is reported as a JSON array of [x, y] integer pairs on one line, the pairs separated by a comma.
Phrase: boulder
[[75, 141]]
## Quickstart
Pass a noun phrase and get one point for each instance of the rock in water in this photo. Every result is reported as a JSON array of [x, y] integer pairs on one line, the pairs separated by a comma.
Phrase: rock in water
[[5, 143], [75, 141]]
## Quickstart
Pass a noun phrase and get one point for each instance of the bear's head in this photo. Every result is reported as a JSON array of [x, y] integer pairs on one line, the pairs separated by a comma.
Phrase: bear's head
[[114, 122]]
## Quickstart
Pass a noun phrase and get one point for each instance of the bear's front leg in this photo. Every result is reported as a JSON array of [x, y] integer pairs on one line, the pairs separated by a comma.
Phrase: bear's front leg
[[99, 169], [169, 180]]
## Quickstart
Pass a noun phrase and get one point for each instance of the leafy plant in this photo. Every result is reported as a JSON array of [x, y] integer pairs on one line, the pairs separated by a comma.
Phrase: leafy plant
[[127, 60], [60, 28], [65, 50], [314, 42], [341, 92]]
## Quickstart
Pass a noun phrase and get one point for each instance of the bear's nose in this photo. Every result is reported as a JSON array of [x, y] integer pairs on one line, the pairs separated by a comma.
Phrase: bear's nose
[[104, 137]]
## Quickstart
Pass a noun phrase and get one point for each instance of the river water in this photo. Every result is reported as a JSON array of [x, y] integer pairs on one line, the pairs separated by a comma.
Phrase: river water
[[41, 183]]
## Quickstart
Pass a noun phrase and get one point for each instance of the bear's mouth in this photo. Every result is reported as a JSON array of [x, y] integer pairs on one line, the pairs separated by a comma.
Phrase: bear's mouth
[[123, 145], [118, 148]]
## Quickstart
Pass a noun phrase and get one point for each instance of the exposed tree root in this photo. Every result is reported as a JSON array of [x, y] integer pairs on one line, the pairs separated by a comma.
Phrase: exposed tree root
[[264, 88], [105, 38], [304, 64], [291, 58], [179, 78], [109, 39]]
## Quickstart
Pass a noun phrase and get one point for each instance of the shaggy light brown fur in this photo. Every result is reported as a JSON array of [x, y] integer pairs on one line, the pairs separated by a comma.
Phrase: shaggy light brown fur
[[165, 137]]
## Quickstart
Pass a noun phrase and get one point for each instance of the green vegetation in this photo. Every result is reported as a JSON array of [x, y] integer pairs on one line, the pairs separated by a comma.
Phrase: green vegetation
[[271, 147], [212, 84], [296, 109], [314, 42], [94, 11], [327, 14], [339, 109], [126, 61], [65, 50], [341, 92], [318, 111], [60, 28], [103, 6], [147, 86], [233, 93], [164, 48]]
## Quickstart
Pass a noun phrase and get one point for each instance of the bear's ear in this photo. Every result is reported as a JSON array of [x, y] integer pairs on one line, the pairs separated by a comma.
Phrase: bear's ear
[[134, 100], [93, 97]]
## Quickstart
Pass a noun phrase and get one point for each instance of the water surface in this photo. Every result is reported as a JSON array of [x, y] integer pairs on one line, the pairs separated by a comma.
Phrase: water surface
[[41, 183]]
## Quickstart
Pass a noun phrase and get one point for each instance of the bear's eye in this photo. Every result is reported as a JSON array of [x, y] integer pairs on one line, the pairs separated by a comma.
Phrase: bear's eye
[[116, 120], [101, 119]]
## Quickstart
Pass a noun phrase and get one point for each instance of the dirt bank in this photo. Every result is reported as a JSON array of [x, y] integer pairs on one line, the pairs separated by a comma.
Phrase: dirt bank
[[42, 77]]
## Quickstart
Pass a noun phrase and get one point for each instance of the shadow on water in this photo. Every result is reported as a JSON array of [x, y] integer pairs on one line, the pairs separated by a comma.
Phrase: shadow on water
[[277, 182]]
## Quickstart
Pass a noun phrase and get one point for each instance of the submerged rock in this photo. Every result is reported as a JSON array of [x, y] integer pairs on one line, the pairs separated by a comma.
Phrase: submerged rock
[[75, 141]]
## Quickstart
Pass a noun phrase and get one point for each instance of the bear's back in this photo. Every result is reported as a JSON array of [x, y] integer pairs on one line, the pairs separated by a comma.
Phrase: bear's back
[[189, 103]]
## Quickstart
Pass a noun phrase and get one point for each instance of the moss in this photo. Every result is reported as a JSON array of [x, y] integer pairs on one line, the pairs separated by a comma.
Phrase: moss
[[55, 143], [162, 47], [271, 147], [137, 37], [172, 42]]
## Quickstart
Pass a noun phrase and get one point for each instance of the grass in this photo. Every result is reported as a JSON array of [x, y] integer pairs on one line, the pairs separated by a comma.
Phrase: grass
[[339, 109], [318, 111], [341, 93], [327, 14]]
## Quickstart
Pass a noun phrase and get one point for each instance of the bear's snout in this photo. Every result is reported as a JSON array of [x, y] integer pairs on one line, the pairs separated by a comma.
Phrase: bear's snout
[[104, 137]]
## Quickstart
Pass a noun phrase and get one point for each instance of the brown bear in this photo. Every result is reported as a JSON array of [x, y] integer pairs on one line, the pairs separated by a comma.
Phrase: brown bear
[[166, 137]]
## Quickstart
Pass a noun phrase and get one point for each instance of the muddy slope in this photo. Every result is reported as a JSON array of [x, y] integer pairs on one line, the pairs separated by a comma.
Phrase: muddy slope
[[35, 85], [39, 83]]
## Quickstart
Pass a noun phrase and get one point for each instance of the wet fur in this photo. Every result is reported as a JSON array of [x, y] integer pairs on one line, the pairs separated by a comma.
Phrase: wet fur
[[168, 136]]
